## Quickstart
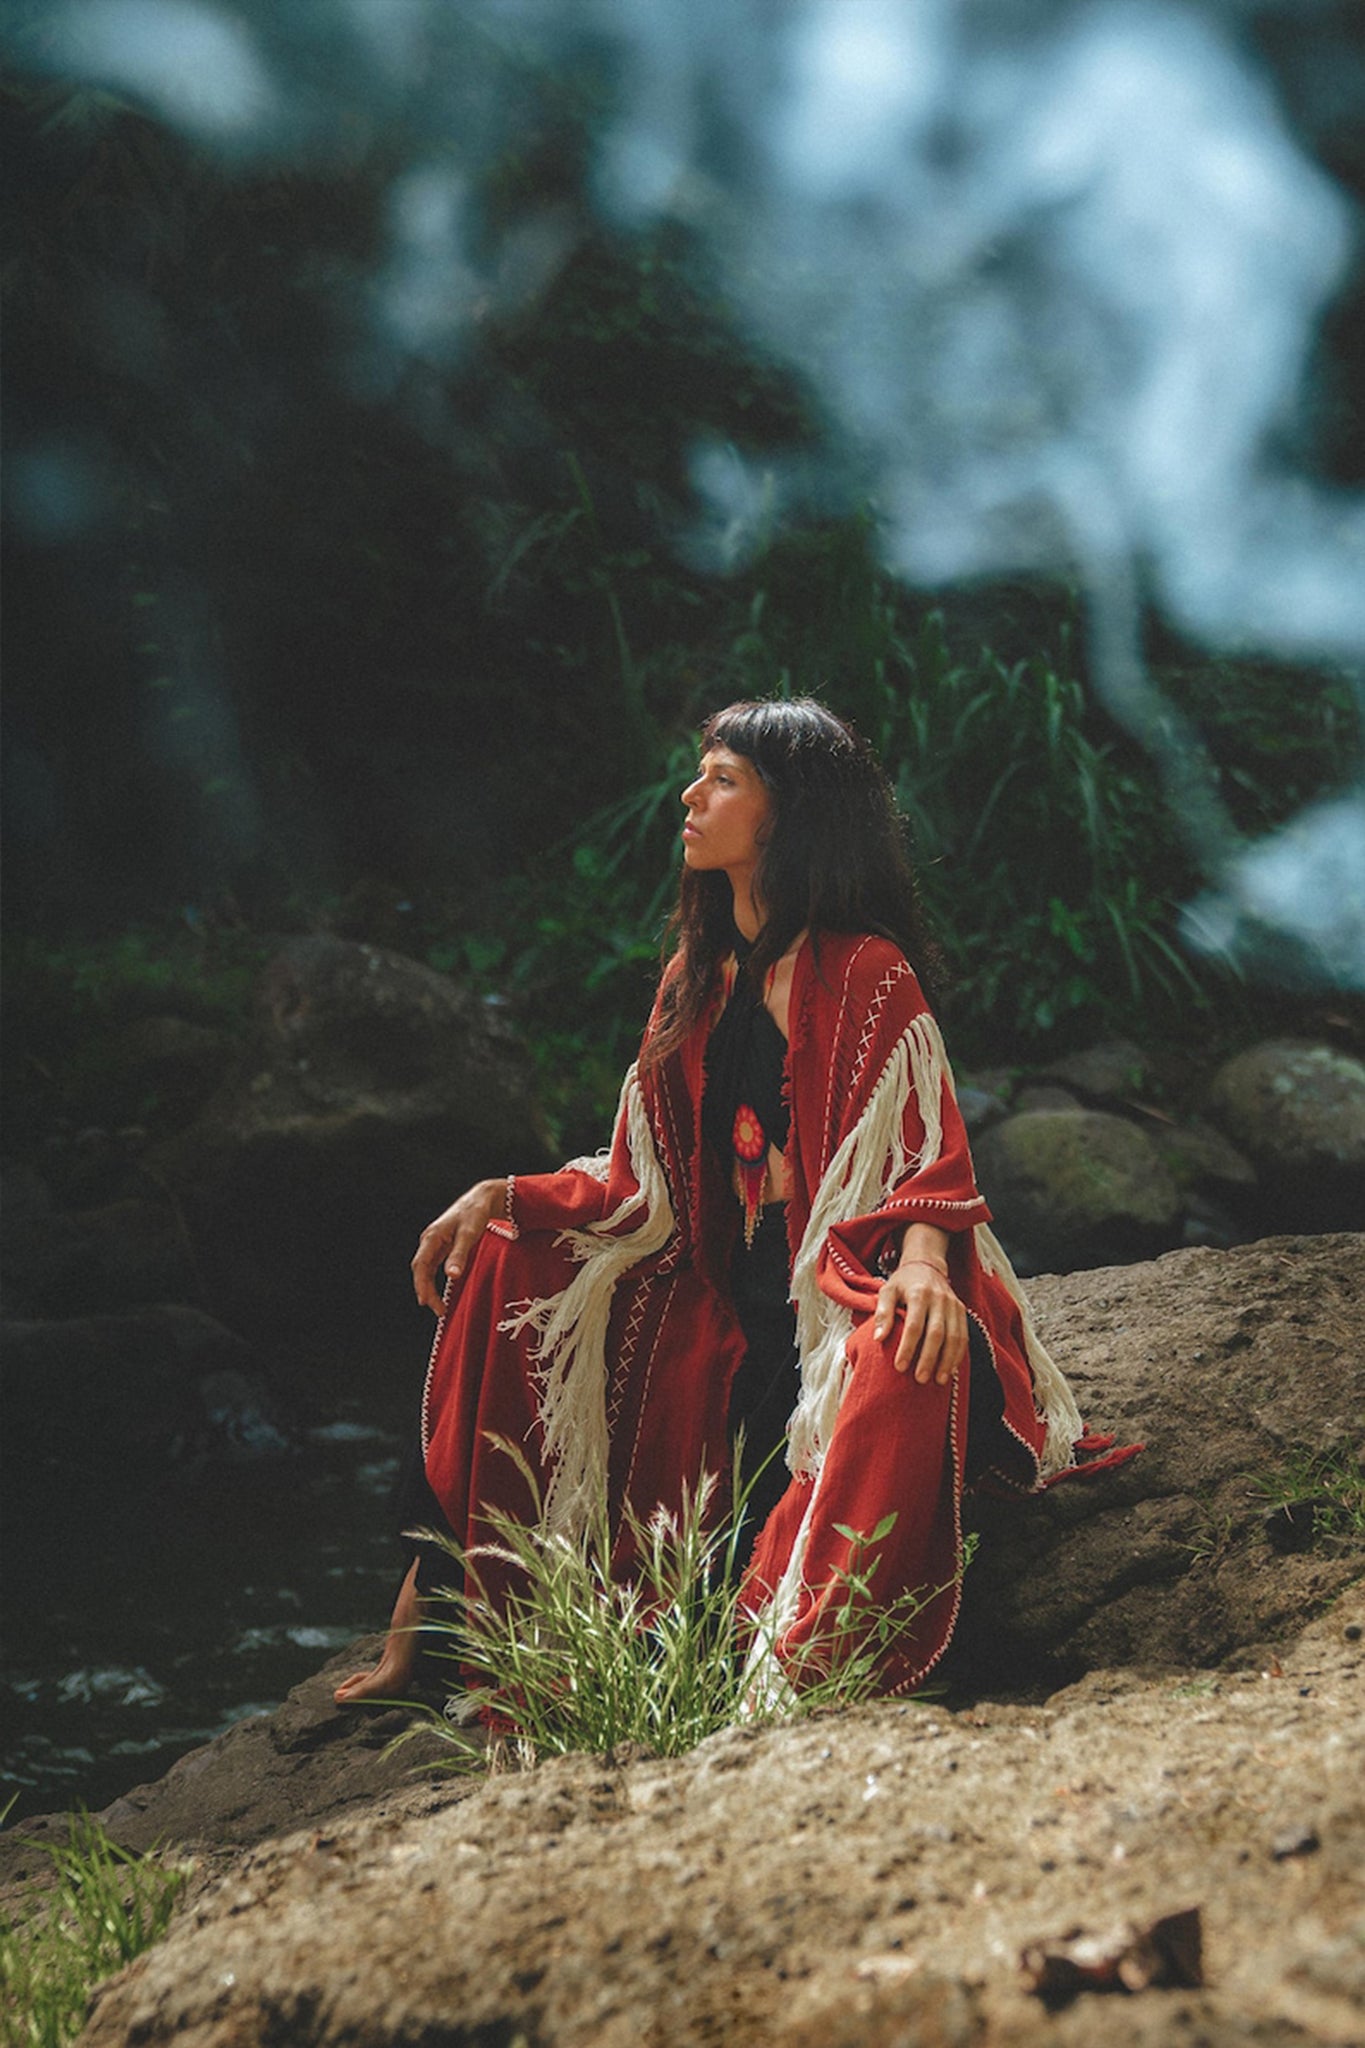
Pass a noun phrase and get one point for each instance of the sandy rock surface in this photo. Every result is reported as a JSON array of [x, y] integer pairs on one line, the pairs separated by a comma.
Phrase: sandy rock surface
[[1225, 1364], [868, 1878]]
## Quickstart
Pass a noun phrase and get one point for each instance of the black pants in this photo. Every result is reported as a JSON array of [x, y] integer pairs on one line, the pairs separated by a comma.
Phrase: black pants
[[764, 1389]]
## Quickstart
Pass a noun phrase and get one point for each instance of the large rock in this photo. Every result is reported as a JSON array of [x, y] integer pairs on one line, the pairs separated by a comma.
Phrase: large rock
[[382, 1089], [1232, 1367], [866, 1881], [349, 1020], [99, 1399], [1115, 1071], [72, 1262], [1072, 1187], [1298, 1110]]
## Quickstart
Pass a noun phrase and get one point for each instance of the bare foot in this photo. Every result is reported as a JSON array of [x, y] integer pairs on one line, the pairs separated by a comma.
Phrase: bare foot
[[391, 1678]]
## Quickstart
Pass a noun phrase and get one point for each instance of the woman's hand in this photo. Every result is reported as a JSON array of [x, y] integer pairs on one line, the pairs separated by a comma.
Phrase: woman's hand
[[934, 1336], [447, 1243]]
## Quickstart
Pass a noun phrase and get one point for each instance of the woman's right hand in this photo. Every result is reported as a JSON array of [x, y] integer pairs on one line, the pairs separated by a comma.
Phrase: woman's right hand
[[447, 1243]]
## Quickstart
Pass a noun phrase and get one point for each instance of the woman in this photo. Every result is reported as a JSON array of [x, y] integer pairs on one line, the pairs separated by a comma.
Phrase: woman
[[785, 1234]]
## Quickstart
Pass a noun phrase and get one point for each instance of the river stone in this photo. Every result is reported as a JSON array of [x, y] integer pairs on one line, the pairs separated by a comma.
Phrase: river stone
[[1298, 1109], [78, 1261], [979, 1108], [1076, 1187], [356, 1019], [382, 1090], [161, 1387], [1037, 1095], [1199, 1156], [1114, 1071]]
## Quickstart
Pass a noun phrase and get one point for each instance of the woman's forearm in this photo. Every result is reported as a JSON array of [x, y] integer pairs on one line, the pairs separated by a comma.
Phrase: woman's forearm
[[925, 1244]]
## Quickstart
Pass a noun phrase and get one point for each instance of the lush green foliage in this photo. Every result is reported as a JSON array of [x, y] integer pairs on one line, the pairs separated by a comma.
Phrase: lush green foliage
[[579, 1660], [106, 1907], [1051, 869]]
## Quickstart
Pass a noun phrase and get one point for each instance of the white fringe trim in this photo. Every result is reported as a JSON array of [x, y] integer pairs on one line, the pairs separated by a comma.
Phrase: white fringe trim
[[767, 1688], [870, 1163], [1053, 1400], [598, 1164], [570, 1327]]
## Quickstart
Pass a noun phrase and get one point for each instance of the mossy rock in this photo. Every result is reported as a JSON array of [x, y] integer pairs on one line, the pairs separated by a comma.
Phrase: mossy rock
[[1076, 1188]]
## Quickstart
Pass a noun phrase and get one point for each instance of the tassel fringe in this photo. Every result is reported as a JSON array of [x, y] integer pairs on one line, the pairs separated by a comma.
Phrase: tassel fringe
[[872, 1160], [1053, 1400], [570, 1329]]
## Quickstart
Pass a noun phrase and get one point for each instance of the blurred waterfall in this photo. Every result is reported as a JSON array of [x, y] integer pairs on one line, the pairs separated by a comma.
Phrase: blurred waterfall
[[1054, 268]]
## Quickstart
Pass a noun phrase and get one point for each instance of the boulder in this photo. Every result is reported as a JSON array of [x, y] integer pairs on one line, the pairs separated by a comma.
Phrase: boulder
[[1235, 1368], [1116, 1071], [1219, 1189], [1297, 1109], [381, 1090], [74, 1262], [1076, 1187], [159, 1388], [980, 1109], [1037, 1095], [861, 1881], [872, 1877], [1201, 1160], [347, 1021]]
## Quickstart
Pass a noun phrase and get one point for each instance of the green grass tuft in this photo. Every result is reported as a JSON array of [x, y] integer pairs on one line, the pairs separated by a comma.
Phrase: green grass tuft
[[107, 1906], [579, 1661], [1331, 1483]]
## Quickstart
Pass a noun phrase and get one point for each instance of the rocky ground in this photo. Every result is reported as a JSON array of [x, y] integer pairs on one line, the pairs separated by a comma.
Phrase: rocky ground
[[872, 1878]]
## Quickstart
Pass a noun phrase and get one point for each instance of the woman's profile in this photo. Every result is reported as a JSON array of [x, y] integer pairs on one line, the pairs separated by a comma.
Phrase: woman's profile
[[785, 1236]]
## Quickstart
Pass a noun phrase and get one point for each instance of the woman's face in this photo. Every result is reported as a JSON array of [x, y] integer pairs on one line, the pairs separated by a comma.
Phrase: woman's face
[[728, 813]]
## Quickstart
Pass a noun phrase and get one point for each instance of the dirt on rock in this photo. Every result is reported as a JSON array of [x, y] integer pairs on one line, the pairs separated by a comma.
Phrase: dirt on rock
[[869, 1878], [1235, 1369]]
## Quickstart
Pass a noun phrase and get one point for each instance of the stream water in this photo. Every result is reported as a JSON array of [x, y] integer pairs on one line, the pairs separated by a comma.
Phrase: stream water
[[152, 1623]]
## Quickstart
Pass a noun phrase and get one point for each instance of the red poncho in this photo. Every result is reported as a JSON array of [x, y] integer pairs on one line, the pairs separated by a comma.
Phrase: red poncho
[[595, 1331]]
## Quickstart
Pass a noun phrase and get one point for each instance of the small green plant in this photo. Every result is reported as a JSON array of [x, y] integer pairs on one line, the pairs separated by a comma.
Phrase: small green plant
[[107, 1906], [1212, 1534], [1328, 1486], [579, 1660]]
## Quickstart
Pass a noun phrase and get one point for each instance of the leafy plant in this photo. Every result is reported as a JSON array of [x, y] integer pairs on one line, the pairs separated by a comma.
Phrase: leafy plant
[[1046, 859], [578, 1659], [106, 1907], [1049, 868]]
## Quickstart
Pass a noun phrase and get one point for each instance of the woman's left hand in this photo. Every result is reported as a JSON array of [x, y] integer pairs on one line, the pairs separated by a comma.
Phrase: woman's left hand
[[934, 1337]]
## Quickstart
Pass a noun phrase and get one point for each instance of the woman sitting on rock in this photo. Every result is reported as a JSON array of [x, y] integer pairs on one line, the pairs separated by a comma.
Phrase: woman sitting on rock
[[785, 1235]]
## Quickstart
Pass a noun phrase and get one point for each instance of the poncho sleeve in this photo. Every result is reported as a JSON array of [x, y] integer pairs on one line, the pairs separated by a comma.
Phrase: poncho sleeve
[[882, 1140]]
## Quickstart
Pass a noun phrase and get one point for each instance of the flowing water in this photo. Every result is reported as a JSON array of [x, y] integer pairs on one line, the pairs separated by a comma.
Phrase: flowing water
[[147, 1623]]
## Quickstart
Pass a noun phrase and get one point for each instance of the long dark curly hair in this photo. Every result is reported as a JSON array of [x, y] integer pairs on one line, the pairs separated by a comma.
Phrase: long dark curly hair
[[834, 860]]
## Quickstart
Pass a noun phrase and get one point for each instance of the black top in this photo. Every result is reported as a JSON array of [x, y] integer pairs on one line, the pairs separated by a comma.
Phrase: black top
[[745, 1055]]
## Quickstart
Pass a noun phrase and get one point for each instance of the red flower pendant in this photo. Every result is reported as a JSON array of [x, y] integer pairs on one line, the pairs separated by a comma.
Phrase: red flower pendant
[[750, 1143]]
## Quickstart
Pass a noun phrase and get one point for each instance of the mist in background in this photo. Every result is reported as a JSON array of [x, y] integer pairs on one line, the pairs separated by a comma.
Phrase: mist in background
[[1056, 275]]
